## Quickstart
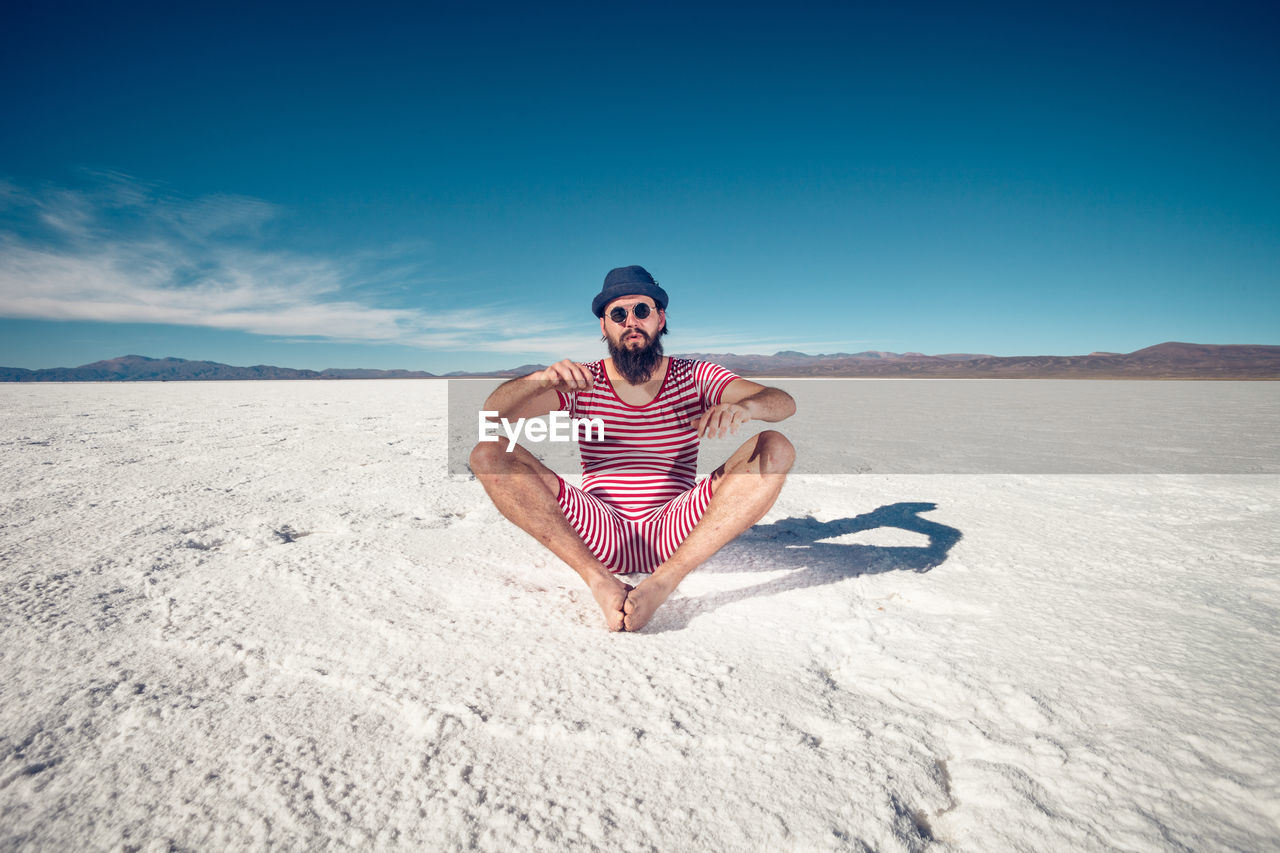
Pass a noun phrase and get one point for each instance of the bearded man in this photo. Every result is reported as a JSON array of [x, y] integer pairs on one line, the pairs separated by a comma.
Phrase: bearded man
[[639, 509]]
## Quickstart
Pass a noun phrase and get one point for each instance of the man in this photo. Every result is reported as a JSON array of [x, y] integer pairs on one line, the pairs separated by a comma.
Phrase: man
[[639, 508]]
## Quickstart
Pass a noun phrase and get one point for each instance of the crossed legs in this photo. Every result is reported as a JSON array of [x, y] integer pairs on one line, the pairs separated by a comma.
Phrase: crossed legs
[[743, 489]]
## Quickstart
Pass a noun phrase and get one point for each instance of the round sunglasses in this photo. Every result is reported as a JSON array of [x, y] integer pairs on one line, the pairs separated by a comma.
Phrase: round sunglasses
[[641, 309]]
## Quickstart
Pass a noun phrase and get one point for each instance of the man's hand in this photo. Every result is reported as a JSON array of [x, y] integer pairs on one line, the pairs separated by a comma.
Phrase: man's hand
[[720, 420], [566, 375]]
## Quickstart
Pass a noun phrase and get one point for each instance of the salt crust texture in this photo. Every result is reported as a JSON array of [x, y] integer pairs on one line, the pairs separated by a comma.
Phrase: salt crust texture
[[263, 615]]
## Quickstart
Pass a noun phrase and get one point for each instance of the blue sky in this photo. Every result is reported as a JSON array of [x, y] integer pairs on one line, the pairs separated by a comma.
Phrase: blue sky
[[435, 187]]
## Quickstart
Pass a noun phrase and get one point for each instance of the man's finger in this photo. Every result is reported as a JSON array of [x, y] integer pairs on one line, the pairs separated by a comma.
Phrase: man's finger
[[573, 376], [583, 376], [568, 375], [552, 376]]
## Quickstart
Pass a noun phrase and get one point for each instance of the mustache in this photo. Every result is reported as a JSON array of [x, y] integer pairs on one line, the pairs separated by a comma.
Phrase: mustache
[[636, 365]]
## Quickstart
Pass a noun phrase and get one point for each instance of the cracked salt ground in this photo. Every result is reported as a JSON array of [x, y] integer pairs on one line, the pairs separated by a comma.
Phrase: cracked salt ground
[[262, 614]]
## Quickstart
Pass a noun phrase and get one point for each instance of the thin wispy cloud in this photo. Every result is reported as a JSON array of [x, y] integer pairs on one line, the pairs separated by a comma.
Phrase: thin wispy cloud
[[127, 252], [123, 251]]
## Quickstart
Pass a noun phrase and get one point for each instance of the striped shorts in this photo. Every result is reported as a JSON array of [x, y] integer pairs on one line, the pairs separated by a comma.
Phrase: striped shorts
[[640, 546]]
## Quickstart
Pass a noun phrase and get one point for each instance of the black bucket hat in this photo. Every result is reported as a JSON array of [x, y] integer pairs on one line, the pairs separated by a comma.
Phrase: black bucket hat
[[626, 281]]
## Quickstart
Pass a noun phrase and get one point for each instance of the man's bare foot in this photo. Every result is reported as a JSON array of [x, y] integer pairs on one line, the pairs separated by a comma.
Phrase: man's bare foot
[[643, 601], [611, 594]]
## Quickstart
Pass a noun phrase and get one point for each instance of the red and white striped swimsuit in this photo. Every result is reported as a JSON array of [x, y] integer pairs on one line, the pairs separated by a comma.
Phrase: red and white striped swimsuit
[[639, 498]]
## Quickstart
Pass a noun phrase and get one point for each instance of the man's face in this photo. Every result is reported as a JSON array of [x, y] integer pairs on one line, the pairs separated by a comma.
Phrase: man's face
[[632, 333]]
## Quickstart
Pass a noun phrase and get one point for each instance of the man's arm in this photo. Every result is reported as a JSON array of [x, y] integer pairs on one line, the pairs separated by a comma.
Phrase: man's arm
[[534, 395], [742, 401], [762, 402]]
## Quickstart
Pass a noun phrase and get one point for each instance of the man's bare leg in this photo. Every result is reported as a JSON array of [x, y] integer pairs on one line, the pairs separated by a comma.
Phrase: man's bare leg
[[744, 489], [525, 491]]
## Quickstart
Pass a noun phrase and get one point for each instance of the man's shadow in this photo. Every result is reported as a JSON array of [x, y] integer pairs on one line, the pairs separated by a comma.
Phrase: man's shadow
[[797, 544]]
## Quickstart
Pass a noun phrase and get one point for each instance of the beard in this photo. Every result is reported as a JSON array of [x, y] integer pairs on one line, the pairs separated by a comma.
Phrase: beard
[[636, 364]]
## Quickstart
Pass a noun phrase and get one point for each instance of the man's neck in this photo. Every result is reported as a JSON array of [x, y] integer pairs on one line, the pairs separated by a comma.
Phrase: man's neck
[[645, 391]]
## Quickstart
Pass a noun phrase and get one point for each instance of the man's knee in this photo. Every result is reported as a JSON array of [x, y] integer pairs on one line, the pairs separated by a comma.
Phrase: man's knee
[[491, 457], [492, 464], [776, 454]]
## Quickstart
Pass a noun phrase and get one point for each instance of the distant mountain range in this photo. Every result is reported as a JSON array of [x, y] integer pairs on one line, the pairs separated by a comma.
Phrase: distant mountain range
[[139, 368], [1163, 361]]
